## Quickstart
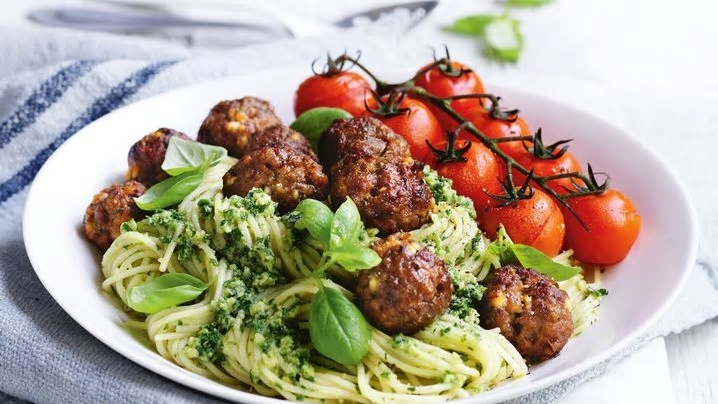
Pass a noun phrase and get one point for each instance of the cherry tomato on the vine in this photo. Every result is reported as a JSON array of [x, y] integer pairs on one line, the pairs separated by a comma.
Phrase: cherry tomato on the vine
[[473, 178], [343, 89], [613, 225], [480, 117], [537, 222], [446, 80], [546, 160], [411, 119]]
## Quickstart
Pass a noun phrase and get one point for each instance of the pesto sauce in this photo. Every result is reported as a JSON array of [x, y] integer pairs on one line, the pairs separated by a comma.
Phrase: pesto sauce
[[468, 291], [443, 192], [255, 267]]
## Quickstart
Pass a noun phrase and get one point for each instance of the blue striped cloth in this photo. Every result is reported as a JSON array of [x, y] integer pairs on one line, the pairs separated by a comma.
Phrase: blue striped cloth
[[48, 94], [49, 91]]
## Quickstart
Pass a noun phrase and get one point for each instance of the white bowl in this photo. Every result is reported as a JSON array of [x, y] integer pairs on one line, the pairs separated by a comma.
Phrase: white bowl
[[640, 287]]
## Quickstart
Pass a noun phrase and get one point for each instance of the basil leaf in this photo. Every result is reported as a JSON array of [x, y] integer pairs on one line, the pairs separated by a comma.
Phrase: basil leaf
[[528, 3], [503, 38], [187, 155], [530, 257], [313, 122], [354, 256], [502, 252], [471, 25], [346, 225], [337, 328], [316, 217], [169, 192], [165, 291]]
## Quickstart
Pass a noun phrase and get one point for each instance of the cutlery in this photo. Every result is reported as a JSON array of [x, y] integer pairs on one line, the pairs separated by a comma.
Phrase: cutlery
[[129, 20]]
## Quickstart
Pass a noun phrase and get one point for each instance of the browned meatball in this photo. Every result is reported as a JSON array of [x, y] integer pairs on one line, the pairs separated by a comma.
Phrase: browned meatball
[[389, 192], [362, 136], [147, 154], [231, 123], [287, 175], [109, 209], [532, 312], [408, 290], [279, 136]]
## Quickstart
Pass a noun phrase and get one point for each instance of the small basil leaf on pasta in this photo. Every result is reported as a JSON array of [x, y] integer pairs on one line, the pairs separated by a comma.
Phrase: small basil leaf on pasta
[[346, 225], [164, 291], [499, 249], [187, 155], [169, 192], [355, 256], [316, 217], [530, 257], [337, 328]]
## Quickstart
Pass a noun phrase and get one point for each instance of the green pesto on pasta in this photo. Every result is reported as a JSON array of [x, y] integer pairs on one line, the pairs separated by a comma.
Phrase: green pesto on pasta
[[250, 328]]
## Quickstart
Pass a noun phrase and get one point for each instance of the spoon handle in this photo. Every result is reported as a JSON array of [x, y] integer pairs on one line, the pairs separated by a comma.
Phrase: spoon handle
[[90, 19]]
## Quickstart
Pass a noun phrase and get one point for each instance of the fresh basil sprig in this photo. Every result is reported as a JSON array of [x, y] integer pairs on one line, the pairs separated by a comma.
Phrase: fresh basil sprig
[[529, 257], [337, 328], [312, 122], [500, 34], [185, 161], [316, 217], [504, 40], [164, 291], [188, 155], [169, 192], [339, 232]]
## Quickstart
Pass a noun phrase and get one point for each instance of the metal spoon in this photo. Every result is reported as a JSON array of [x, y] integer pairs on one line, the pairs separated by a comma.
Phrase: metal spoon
[[143, 21]]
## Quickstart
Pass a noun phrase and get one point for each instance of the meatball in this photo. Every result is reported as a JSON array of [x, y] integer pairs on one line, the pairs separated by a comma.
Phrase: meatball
[[287, 175], [232, 123], [280, 136], [531, 311], [407, 290], [147, 154], [389, 192], [110, 208], [362, 136]]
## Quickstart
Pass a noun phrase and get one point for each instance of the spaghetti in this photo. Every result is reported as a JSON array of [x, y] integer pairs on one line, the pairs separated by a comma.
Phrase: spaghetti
[[250, 328]]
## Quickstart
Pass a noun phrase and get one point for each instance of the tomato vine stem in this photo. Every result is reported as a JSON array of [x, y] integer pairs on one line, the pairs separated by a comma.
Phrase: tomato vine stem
[[590, 183]]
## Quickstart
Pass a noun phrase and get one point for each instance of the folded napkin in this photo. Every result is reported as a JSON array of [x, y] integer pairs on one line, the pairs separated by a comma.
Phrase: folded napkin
[[54, 83]]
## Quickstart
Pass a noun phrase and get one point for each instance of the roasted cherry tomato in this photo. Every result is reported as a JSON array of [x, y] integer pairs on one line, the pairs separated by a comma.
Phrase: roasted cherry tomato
[[341, 89], [546, 160], [475, 177], [446, 80], [509, 125], [612, 227], [536, 221], [409, 118]]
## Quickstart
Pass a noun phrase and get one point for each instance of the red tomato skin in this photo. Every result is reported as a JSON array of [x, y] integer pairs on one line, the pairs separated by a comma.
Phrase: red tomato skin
[[442, 85], [491, 127], [537, 222], [345, 90], [416, 126], [547, 167], [613, 226], [474, 178]]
